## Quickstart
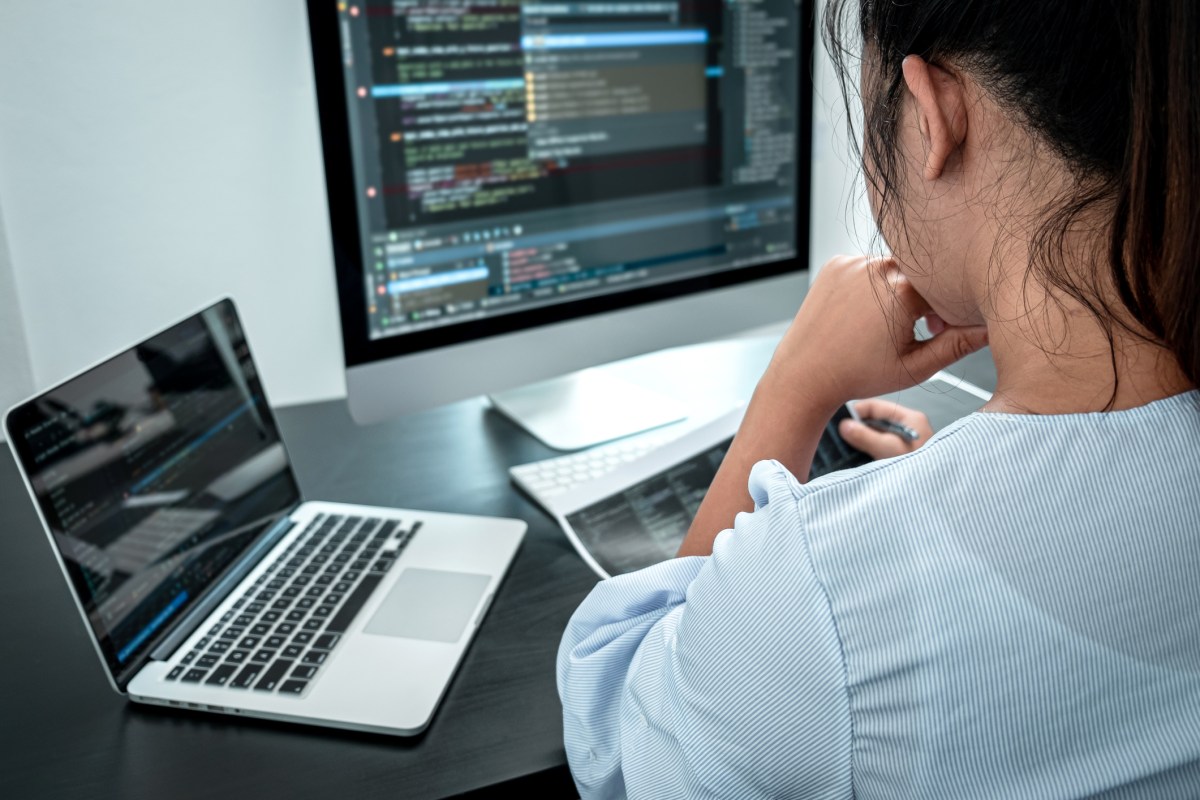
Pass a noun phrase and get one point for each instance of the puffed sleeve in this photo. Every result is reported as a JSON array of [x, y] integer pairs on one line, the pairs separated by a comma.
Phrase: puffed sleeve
[[717, 676]]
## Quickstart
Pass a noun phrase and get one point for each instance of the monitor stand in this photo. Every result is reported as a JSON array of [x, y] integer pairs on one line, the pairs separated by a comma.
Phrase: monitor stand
[[586, 408]]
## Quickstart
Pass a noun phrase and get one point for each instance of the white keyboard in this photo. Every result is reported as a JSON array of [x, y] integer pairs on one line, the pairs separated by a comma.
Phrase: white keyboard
[[545, 480]]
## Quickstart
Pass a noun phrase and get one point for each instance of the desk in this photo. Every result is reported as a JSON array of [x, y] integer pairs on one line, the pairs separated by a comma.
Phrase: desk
[[67, 734]]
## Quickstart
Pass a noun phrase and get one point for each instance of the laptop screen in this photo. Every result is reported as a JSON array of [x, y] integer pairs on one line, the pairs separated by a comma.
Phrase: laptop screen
[[154, 471]]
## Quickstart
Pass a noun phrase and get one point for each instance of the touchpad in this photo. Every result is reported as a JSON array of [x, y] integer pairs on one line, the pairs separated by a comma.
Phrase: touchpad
[[429, 604]]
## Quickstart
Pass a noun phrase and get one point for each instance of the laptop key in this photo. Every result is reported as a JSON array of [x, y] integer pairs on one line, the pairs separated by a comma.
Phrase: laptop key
[[292, 687], [221, 675], [271, 616], [285, 628], [305, 671], [219, 647], [237, 656], [326, 641], [315, 657], [314, 624], [263, 656], [261, 629], [292, 651], [274, 642], [175, 673], [194, 675], [246, 676], [190, 657], [272, 676], [340, 621], [206, 661], [295, 615], [303, 637]]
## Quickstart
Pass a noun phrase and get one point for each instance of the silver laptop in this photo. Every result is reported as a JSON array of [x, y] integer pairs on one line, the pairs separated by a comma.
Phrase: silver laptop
[[206, 582]]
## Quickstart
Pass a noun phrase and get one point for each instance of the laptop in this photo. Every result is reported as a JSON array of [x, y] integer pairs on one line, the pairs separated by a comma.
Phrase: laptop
[[205, 579]]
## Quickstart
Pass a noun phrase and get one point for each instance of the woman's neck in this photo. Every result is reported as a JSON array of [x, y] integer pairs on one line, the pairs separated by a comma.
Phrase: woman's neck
[[1054, 357]]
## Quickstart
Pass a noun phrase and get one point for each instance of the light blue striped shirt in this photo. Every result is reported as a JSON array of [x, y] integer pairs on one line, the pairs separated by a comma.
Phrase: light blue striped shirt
[[1013, 610]]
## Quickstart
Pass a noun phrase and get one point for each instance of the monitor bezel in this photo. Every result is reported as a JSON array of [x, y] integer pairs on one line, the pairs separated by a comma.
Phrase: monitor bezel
[[350, 262]]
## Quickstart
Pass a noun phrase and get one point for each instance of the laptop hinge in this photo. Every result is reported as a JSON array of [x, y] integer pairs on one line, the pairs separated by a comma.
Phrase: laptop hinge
[[214, 596]]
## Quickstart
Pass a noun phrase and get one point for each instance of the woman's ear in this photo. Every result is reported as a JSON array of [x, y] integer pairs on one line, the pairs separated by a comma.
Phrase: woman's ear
[[941, 111]]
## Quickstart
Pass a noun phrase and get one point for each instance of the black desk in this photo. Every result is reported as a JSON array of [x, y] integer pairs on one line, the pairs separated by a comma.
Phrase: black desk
[[67, 734]]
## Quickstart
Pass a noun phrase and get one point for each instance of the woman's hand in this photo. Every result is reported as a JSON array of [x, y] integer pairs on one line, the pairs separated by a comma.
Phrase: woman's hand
[[878, 444], [854, 337]]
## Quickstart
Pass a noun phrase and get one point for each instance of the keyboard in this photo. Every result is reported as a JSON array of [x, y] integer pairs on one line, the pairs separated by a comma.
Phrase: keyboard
[[546, 480], [285, 625]]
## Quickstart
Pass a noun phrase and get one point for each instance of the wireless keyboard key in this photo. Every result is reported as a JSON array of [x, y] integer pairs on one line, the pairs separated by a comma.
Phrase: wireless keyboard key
[[273, 675]]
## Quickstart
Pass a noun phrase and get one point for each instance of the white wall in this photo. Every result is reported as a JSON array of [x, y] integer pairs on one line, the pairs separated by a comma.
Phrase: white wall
[[840, 222], [16, 377], [154, 156]]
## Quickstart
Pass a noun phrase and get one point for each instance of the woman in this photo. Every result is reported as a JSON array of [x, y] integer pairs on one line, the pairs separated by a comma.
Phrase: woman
[[1013, 609]]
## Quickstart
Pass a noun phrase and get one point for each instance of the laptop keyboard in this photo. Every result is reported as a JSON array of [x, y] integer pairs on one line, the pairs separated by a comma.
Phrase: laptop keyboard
[[282, 629]]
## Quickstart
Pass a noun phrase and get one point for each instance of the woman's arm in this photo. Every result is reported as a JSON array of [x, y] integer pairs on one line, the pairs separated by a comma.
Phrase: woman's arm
[[853, 337]]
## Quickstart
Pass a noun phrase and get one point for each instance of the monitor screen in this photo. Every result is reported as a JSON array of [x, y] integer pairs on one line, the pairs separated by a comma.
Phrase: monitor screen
[[154, 471], [518, 163]]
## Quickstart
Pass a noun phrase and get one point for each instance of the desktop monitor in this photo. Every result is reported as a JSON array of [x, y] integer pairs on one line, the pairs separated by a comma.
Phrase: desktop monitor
[[518, 190]]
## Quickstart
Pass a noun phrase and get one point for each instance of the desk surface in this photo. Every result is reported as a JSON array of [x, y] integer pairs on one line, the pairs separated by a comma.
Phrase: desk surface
[[67, 734]]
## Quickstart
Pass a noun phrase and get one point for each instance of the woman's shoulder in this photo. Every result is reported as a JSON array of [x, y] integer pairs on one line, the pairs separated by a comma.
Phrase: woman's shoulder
[[993, 474]]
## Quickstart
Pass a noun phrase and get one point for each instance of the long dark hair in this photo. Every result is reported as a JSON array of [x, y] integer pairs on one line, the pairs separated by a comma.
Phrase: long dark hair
[[1113, 88]]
